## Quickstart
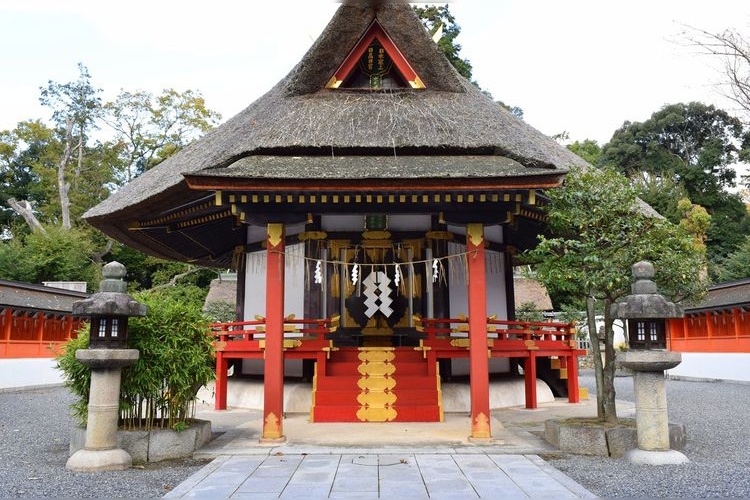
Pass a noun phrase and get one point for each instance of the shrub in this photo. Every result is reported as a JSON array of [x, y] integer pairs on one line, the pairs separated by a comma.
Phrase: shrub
[[176, 360], [77, 375]]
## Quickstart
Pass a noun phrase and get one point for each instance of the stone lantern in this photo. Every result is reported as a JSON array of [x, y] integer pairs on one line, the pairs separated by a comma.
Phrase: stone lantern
[[108, 310], [646, 312]]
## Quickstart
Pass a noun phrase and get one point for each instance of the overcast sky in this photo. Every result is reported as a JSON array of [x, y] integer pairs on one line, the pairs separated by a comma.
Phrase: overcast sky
[[581, 66]]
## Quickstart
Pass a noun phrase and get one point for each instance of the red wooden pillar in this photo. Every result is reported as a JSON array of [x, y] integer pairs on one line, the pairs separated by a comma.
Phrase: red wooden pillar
[[479, 371], [273, 373], [221, 381], [529, 377], [574, 395]]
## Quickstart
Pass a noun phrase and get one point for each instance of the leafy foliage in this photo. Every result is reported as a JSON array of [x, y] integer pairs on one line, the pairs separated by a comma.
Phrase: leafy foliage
[[148, 129], [439, 17], [737, 265], [598, 231], [19, 167], [514, 110], [54, 255], [687, 150], [176, 360], [77, 376], [588, 149], [57, 171]]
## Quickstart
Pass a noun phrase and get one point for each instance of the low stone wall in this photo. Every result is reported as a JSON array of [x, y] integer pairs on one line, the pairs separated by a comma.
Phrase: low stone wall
[[588, 437], [154, 445]]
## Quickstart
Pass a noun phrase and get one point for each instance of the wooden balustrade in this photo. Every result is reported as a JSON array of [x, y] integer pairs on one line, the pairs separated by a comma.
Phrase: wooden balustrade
[[498, 330]]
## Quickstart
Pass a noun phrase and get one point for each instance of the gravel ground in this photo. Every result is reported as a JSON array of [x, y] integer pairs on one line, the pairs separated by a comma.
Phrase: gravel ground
[[715, 415], [35, 431], [34, 437]]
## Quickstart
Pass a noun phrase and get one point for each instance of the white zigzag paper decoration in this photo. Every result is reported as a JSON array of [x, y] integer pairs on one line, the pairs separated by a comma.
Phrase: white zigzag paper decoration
[[370, 292], [377, 282]]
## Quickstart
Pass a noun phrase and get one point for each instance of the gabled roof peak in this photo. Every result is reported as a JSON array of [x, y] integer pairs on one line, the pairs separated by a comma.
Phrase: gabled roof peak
[[351, 25], [375, 63]]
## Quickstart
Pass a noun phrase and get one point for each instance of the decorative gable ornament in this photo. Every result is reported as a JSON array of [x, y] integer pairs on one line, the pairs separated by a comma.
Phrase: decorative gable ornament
[[375, 63]]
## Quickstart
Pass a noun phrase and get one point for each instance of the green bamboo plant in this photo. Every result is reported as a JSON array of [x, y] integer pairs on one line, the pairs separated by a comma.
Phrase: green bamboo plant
[[176, 360]]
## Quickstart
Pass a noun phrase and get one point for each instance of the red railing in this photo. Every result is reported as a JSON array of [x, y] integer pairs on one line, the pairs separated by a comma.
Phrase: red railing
[[254, 330], [497, 329]]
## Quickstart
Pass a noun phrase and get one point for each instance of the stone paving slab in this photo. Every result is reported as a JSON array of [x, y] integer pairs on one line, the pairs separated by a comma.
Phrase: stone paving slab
[[401, 475]]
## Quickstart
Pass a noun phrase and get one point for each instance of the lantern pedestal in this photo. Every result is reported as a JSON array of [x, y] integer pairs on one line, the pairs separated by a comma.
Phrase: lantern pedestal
[[651, 419], [646, 312], [100, 451]]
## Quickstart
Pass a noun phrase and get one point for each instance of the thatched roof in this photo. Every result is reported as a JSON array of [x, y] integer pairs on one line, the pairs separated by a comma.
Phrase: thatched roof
[[531, 290], [300, 117], [222, 290]]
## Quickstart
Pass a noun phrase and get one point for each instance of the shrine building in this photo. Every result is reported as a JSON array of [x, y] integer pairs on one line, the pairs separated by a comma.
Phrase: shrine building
[[372, 203]]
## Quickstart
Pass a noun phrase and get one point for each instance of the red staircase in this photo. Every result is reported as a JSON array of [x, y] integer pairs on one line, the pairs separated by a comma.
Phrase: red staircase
[[376, 384]]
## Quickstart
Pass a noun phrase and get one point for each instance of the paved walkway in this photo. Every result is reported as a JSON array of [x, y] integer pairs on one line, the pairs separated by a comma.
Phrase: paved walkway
[[376, 460], [365, 460], [398, 475]]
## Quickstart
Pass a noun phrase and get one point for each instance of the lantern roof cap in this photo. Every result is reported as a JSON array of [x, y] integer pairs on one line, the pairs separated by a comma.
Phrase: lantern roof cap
[[111, 299], [645, 302]]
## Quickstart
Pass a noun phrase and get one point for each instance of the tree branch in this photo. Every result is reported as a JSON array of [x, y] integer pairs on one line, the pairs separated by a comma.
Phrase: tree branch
[[177, 277], [24, 209]]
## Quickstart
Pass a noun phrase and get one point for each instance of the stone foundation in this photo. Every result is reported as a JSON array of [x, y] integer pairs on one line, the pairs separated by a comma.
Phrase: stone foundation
[[154, 445], [587, 437]]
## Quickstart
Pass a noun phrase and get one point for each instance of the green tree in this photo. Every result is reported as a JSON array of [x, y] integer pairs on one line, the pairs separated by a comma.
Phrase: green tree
[[75, 109], [597, 233], [22, 151], [589, 150], [695, 221], [691, 150], [148, 129], [51, 174], [55, 254], [737, 265], [437, 18]]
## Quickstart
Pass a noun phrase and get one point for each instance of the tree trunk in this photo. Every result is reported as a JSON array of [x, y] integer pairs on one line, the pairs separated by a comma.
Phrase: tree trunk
[[610, 409], [597, 355], [23, 208], [63, 187]]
